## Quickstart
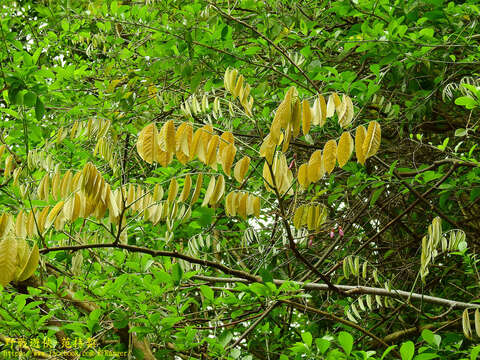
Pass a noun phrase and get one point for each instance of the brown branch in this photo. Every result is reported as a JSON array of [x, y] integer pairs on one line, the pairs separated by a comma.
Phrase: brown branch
[[436, 164], [354, 289], [156, 253], [254, 325]]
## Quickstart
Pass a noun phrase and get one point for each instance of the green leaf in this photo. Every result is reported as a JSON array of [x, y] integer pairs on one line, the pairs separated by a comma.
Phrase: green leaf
[[346, 341], [39, 109], [407, 350], [387, 351], [431, 338], [307, 338], [266, 275], [466, 101], [426, 356], [475, 352], [205, 216], [177, 273], [322, 344], [65, 25], [30, 99], [376, 194], [207, 292], [460, 132], [225, 338], [259, 289]]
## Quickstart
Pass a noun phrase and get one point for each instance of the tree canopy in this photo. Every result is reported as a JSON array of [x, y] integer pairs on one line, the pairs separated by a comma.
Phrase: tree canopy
[[239, 180]]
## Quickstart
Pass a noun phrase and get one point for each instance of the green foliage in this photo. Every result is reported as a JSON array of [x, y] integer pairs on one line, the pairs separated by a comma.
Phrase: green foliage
[[80, 80]]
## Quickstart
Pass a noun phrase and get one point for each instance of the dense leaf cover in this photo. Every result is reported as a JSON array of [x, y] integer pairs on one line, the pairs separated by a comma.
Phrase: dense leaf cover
[[239, 179]]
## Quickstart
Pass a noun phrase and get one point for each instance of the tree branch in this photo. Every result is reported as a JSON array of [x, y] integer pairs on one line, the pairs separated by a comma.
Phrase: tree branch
[[354, 289]]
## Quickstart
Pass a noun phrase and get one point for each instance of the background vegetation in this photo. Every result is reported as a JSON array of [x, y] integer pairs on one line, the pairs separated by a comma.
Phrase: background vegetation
[[81, 79]]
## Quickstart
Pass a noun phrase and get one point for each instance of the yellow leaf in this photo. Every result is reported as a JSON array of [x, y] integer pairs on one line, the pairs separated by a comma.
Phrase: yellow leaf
[[275, 131], [345, 148], [232, 79], [225, 140], [296, 118], [306, 117], [228, 203], [157, 193], [198, 187], [8, 166], [164, 157], [32, 264], [256, 206], [238, 86], [8, 259], [206, 133], [321, 216], [315, 167], [31, 223], [211, 158], [371, 144], [226, 79], [56, 183], [53, 214], [267, 149], [283, 175], [267, 177], [284, 111], [197, 146], [218, 191], [187, 185], [130, 195], [232, 202], [242, 206], [227, 157], [311, 217], [303, 176], [147, 144], [323, 109], [183, 140], [297, 217], [23, 252], [244, 95], [20, 225], [286, 142], [360, 136], [169, 135], [241, 168], [250, 199], [66, 184], [330, 155], [209, 192], [330, 106], [42, 219], [346, 112], [6, 224], [172, 190]]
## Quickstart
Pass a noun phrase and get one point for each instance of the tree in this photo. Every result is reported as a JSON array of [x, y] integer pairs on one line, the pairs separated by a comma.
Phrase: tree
[[265, 180]]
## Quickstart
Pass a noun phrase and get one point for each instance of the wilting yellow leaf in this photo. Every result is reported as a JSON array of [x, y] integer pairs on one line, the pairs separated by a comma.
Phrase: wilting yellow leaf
[[306, 117], [371, 144], [241, 168], [330, 155], [345, 149], [360, 136], [303, 176]]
